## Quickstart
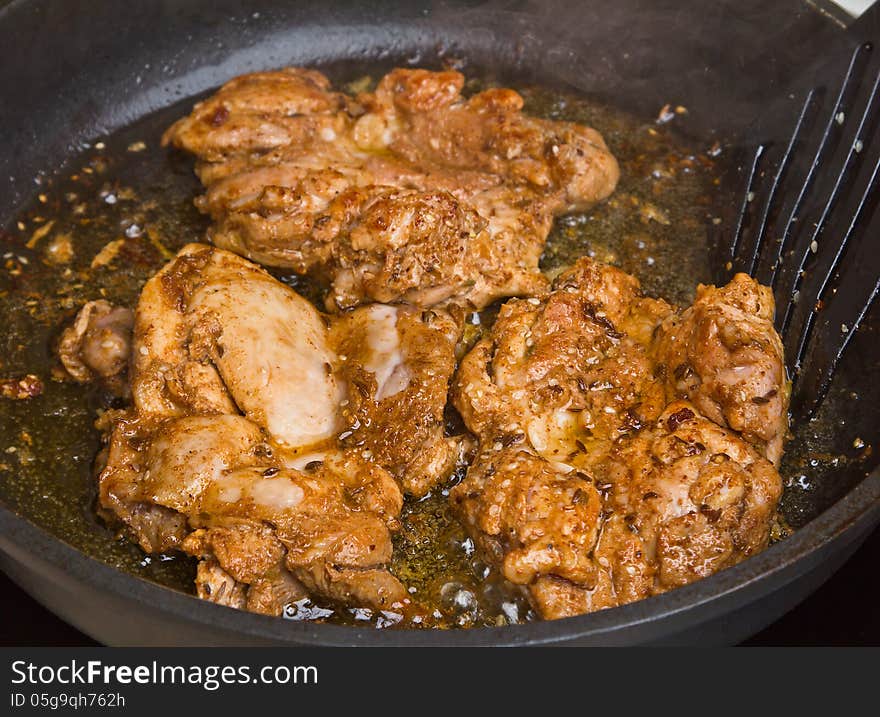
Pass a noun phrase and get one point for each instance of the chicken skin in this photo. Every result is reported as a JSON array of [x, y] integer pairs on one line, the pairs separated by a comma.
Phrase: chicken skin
[[408, 193], [594, 483]]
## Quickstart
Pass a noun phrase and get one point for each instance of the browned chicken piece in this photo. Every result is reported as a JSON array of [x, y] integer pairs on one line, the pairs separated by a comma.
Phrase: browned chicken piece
[[97, 345], [671, 503], [688, 498], [568, 371], [215, 336], [274, 522], [565, 390], [262, 433], [428, 248], [259, 112], [422, 117], [530, 517], [724, 355], [329, 522], [397, 362], [409, 193]]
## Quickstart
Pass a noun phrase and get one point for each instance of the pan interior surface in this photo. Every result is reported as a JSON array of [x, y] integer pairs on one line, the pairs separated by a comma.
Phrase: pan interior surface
[[118, 88]]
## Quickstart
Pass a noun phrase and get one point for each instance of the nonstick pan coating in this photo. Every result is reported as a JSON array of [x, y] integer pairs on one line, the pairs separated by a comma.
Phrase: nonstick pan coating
[[77, 70]]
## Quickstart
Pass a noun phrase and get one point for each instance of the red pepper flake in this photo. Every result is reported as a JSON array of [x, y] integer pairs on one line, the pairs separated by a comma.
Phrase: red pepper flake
[[221, 114], [683, 415], [19, 389]]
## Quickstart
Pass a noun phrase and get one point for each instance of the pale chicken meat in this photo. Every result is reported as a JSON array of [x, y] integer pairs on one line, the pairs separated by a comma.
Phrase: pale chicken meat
[[215, 333], [574, 410], [411, 192]]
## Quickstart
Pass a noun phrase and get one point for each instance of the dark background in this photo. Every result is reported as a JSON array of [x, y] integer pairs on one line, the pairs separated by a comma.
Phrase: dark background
[[841, 612]]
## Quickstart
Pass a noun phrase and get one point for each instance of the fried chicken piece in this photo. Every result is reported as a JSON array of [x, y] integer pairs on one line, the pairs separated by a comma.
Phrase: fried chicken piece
[[97, 345], [428, 248], [424, 119], [274, 502], [397, 362], [566, 390], [724, 356], [255, 512], [331, 518], [258, 112], [215, 336], [409, 193], [512, 502], [687, 498], [671, 503], [567, 371]]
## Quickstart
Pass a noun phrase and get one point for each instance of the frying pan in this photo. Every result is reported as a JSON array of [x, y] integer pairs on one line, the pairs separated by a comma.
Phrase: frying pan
[[73, 71]]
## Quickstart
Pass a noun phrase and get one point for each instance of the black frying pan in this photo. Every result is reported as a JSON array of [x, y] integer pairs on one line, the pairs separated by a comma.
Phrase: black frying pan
[[69, 74]]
